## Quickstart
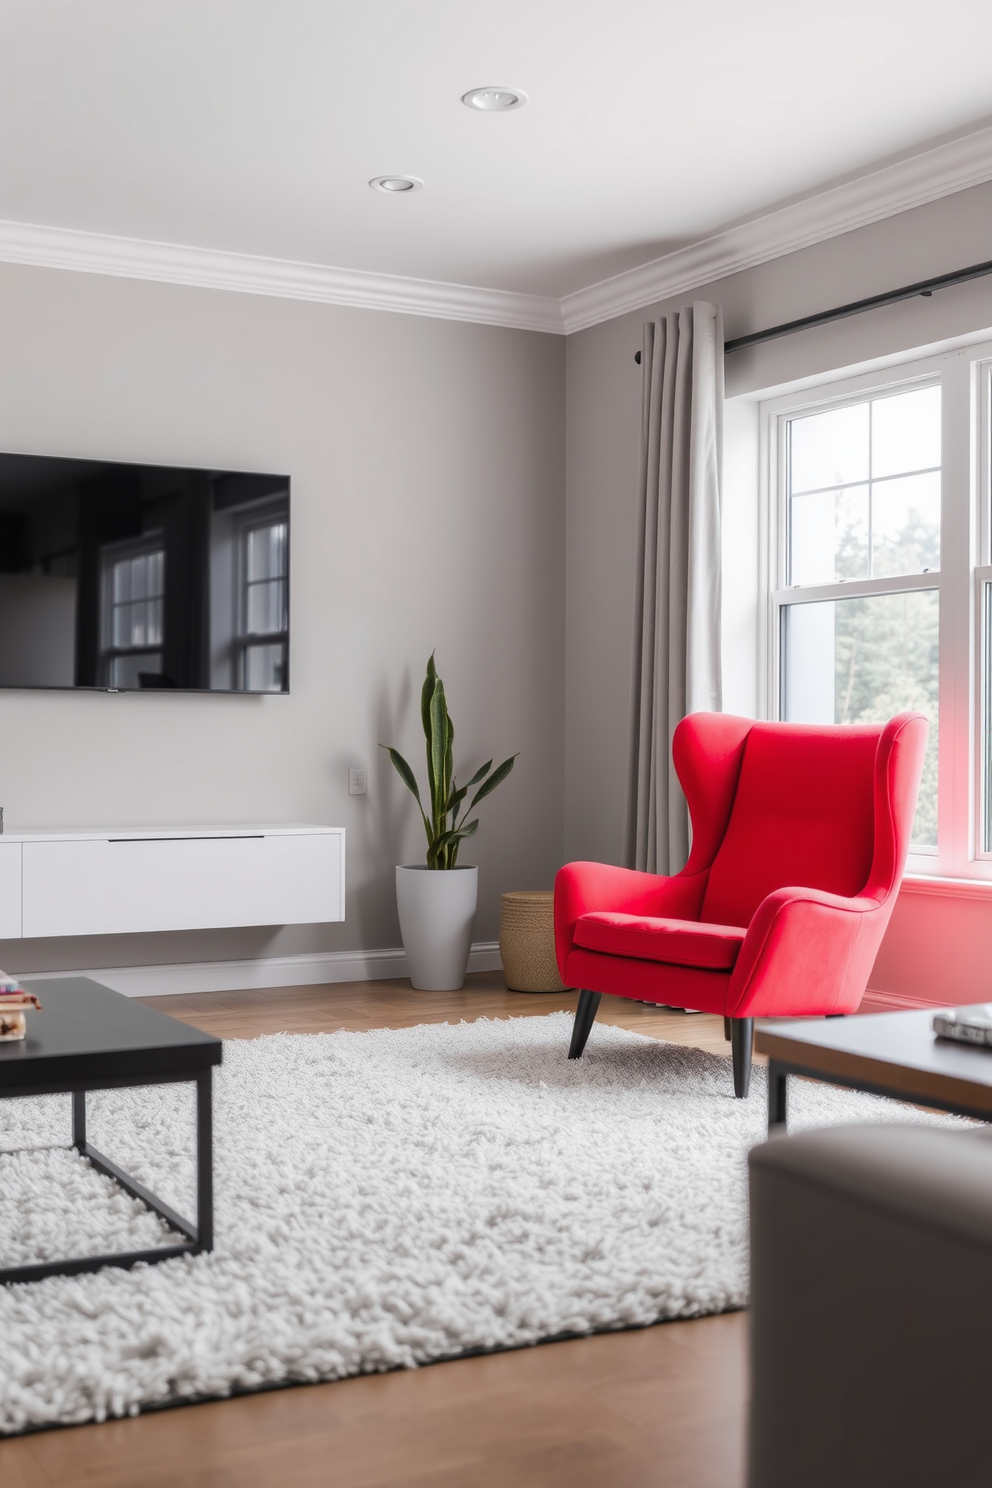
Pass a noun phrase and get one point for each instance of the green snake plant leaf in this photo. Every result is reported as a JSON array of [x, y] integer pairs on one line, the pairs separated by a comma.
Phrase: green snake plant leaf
[[495, 779], [437, 746], [456, 833], [455, 799], [449, 766], [458, 795], [426, 694], [446, 847], [410, 781], [404, 772], [480, 773], [452, 850]]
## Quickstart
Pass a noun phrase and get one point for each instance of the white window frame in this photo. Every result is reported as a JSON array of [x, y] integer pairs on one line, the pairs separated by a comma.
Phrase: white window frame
[[965, 376]]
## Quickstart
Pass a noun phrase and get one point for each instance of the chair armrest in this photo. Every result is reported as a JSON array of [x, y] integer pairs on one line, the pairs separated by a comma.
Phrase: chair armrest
[[807, 952], [583, 888]]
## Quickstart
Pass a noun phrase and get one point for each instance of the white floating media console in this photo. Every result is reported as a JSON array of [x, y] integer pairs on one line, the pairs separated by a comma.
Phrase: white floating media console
[[108, 882]]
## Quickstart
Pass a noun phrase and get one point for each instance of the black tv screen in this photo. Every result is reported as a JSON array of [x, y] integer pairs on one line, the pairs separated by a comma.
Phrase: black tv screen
[[142, 577]]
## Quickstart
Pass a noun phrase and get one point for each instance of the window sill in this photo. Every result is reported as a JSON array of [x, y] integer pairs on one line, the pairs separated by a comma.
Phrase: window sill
[[947, 888]]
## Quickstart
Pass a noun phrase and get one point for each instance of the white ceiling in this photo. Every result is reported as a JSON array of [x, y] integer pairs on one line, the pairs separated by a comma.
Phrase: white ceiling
[[253, 126]]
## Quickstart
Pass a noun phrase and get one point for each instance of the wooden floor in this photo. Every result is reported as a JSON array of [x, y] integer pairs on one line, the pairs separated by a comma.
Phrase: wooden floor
[[663, 1406]]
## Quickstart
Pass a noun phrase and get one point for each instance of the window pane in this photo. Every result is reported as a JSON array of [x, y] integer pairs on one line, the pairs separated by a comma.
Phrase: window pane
[[905, 524], [265, 669], [905, 432], [829, 449], [153, 612], [862, 661], [139, 624], [266, 608], [266, 552], [139, 577], [829, 536]]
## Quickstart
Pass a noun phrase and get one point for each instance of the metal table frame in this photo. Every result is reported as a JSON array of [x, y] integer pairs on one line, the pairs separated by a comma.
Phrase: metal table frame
[[199, 1236], [88, 1038], [780, 1069]]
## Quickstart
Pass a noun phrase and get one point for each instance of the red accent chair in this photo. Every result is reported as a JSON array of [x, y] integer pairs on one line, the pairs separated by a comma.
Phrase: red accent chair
[[799, 839]]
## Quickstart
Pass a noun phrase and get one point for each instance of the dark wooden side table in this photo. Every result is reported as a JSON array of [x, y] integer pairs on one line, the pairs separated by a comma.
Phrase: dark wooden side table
[[893, 1054], [87, 1037]]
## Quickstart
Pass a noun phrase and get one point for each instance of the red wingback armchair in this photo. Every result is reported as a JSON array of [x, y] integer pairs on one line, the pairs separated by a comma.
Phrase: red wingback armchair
[[799, 839]]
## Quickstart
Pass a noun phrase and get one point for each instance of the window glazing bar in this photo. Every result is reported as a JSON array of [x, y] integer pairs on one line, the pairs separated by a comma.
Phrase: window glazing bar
[[858, 588]]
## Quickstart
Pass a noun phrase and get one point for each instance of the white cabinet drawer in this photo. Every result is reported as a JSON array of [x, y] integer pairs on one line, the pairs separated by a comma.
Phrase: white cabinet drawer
[[112, 886]]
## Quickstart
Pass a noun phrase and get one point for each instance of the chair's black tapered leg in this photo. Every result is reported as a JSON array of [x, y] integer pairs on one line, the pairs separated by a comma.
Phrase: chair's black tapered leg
[[726, 1029], [585, 1016], [741, 1037]]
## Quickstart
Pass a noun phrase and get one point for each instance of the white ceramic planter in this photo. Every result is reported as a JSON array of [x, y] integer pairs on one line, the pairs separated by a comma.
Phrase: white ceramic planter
[[437, 916]]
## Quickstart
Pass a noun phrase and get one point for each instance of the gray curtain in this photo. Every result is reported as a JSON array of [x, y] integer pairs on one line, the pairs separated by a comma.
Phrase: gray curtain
[[677, 616]]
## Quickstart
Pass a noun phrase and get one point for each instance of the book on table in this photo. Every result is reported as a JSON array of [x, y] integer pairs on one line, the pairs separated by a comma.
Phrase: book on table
[[14, 1002], [968, 1025]]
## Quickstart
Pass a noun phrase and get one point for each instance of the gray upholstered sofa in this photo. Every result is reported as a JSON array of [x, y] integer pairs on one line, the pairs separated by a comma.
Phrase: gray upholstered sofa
[[871, 1343]]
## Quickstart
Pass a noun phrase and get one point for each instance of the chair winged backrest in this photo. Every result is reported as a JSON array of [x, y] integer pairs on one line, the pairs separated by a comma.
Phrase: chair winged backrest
[[781, 804]]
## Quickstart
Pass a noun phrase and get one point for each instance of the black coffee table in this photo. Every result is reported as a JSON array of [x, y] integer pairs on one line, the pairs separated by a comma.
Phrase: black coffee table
[[87, 1037], [893, 1054]]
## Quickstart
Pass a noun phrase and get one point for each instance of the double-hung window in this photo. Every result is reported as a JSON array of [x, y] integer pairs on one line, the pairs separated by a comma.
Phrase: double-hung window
[[264, 605], [880, 593], [133, 621]]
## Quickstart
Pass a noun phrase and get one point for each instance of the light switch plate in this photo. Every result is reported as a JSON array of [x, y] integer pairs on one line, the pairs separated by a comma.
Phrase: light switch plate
[[358, 782]]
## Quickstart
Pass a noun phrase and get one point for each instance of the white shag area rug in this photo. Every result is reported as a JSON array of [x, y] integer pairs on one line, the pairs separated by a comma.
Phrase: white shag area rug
[[383, 1199]]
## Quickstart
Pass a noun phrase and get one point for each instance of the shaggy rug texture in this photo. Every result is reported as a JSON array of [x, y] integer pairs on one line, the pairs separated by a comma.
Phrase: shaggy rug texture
[[382, 1199]]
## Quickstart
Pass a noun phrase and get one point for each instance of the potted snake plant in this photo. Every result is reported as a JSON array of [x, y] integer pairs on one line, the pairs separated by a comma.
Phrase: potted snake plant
[[437, 899]]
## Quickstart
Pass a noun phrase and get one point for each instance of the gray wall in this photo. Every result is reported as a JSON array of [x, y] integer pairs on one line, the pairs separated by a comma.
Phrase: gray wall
[[602, 424], [428, 511]]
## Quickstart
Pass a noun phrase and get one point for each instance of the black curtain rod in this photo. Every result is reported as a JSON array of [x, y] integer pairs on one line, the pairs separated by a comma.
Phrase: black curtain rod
[[925, 287]]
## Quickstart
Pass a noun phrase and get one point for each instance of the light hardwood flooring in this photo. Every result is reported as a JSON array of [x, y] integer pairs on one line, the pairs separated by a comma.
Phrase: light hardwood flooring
[[662, 1406]]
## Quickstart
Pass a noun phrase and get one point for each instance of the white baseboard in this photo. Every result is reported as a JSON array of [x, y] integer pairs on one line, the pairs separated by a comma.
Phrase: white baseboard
[[267, 971]]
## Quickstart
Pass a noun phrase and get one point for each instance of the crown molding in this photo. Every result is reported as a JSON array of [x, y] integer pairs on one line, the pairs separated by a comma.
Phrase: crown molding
[[895, 188], [912, 182], [209, 268]]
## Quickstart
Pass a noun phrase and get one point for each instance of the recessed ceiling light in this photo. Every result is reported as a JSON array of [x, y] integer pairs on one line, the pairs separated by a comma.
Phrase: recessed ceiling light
[[495, 99], [396, 185]]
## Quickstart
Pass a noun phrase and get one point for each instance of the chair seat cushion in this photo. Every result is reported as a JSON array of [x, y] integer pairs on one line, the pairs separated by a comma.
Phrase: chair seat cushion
[[677, 942]]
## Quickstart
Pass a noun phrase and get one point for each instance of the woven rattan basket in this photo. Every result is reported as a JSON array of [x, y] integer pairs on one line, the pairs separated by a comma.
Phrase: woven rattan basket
[[527, 941]]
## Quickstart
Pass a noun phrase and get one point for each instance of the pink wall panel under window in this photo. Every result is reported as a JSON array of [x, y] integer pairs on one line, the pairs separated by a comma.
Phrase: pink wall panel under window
[[937, 949]]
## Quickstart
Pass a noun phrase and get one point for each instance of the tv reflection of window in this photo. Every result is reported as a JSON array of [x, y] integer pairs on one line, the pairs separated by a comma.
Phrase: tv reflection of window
[[264, 615], [133, 615]]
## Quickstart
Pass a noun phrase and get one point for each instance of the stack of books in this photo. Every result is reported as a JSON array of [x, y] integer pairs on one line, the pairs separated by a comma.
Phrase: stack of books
[[14, 1002]]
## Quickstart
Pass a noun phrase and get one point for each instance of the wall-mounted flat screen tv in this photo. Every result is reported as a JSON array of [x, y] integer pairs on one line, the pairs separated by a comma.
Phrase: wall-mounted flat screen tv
[[142, 577]]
